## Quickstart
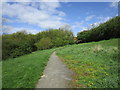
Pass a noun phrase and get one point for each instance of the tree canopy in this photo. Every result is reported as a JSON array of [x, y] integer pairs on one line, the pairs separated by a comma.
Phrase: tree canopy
[[107, 30]]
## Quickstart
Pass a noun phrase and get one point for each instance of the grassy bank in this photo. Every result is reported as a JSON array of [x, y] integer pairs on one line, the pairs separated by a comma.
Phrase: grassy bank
[[95, 63], [24, 71]]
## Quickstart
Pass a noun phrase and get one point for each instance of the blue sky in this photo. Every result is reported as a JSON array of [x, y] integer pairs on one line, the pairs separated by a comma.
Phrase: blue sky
[[39, 16]]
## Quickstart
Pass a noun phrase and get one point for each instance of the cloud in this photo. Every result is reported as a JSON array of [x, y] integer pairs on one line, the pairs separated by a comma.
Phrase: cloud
[[88, 18], [31, 0], [81, 26], [42, 14], [103, 19], [6, 20], [19, 0], [77, 24], [114, 4], [9, 29]]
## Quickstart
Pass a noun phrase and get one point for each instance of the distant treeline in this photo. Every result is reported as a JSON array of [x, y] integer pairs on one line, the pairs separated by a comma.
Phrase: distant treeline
[[21, 43], [105, 31]]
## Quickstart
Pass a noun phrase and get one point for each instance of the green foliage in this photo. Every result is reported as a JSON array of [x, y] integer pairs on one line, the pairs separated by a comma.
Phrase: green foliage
[[17, 44], [105, 31], [44, 43], [24, 71], [95, 63], [21, 43], [58, 37]]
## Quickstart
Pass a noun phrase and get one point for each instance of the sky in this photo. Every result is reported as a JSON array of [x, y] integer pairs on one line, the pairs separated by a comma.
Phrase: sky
[[35, 17]]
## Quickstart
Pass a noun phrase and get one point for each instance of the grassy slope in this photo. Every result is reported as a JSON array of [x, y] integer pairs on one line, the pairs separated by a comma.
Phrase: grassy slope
[[95, 63], [0, 75], [24, 71]]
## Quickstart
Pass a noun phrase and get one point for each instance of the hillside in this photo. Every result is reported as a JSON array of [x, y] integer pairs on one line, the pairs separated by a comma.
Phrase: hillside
[[24, 71], [55, 44], [95, 63]]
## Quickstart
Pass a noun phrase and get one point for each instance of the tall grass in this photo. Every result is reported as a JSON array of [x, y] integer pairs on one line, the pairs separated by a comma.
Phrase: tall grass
[[95, 63]]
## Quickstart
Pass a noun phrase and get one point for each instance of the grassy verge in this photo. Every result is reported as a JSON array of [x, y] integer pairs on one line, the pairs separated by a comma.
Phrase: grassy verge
[[95, 63], [24, 71], [0, 75]]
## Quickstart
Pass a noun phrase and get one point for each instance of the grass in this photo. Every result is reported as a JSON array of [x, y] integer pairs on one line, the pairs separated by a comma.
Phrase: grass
[[24, 71], [0, 75], [95, 63]]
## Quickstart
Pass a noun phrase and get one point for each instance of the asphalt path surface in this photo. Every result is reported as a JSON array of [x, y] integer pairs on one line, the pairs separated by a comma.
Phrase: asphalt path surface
[[55, 75]]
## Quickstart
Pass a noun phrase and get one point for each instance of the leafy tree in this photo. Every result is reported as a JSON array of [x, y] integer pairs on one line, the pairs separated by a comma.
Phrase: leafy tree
[[21, 43], [44, 43], [58, 37], [107, 30], [17, 44]]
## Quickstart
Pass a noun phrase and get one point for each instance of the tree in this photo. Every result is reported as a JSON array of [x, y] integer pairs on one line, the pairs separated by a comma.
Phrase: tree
[[105, 31], [66, 27], [21, 43], [44, 43], [17, 44]]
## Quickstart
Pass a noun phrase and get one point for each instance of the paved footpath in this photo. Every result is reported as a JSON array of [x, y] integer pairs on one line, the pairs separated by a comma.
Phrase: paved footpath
[[55, 75]]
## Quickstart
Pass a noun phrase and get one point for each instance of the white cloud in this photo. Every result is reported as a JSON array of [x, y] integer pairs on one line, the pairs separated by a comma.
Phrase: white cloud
[[42, 14], [103, 19], [77, 25], [9, 29], [114, 4], [4, 20], [32, 0], [61, 13], [100, 20], [83, 25], [19, 0], [88, 18], [0, 16], [116, 14]]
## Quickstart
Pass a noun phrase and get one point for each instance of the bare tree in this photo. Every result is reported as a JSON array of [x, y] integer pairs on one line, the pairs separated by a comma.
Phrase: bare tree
[[66, 27]]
